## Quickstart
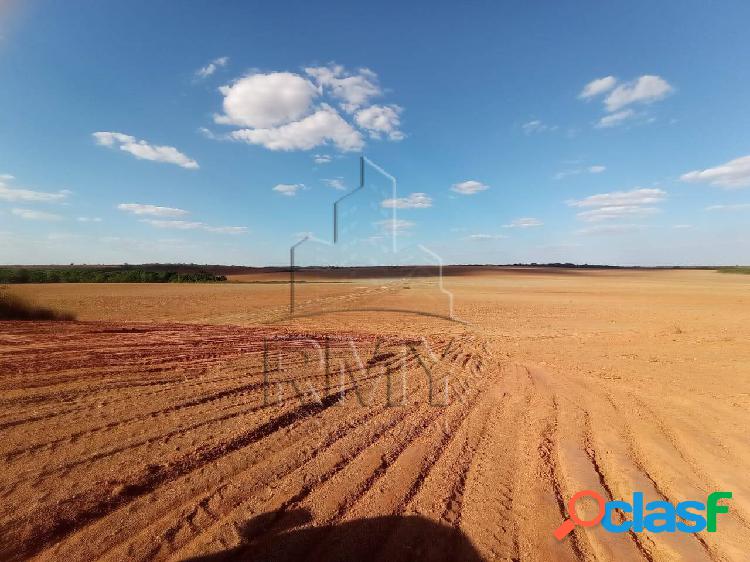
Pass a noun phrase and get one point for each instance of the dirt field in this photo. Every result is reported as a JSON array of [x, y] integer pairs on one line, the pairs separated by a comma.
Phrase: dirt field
[[393, 420]]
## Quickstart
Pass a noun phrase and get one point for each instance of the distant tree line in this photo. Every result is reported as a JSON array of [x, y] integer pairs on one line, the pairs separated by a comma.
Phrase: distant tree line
[[90, 275]]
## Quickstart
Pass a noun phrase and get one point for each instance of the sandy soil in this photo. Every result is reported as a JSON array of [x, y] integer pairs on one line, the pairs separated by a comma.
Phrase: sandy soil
[[199, 422]]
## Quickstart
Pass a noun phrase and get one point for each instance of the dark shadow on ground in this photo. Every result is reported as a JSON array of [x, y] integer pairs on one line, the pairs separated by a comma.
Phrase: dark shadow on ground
[[290, 537]]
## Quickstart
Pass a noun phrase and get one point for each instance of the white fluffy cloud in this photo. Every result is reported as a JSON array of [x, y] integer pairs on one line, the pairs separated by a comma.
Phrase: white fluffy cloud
[[13, 194], [469, 187], [288, 189], [211, 67], [266, 100], [639, 196], [143, 150], [323, 126], [614, 119], [322, 159], [353, 90], [646, 89], [380, 120], [288, 111], [151, 210], [598, 86], [618, 205], [413, 201], [527, 222], [735, 174], [643, 90], [189, 225], [32, 215]]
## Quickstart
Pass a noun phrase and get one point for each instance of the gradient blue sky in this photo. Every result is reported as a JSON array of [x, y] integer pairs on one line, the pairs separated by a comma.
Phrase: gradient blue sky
[[492, 93]]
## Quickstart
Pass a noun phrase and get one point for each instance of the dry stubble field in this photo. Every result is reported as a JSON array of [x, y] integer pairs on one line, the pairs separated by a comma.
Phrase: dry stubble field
[[197, 422]]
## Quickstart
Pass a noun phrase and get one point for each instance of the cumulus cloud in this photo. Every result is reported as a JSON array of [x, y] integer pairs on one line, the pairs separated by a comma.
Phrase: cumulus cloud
[[527, 222], [598, 86], [380, 120], [413, 201], [537, 126], [353, 90], [266, 100], [335, 183], [211, 67], [289, 111], [13, 194], [288, 189], [615, 119], [735, 174], [469, 187], [143, 150], [189, 225], [645, 89], [322, 159], [638, 196], [152, 210], [32, 215], [323, 126]]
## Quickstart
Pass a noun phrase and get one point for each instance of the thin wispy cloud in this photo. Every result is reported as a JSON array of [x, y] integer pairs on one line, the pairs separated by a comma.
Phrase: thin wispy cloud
[[638, 196], [322, 158], [605, 229], [151, 210], [413, 201], [288, 189], [335, 183], [526, 222], [469, 187], [210, 68], [395, 225], [13, 194], [34, 215], [734, 174], [537, 126], [481, 236], [730, 207], [191, 225], [143, 150]]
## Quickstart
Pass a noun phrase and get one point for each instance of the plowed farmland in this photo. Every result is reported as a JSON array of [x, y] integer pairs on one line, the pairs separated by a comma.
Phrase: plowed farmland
[[201, 423]]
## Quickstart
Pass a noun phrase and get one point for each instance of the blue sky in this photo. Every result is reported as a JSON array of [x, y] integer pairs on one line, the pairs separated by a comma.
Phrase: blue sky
[[219, 133]]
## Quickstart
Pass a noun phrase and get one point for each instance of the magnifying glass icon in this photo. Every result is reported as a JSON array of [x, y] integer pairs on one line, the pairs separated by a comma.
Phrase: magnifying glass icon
[[569, 524]]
